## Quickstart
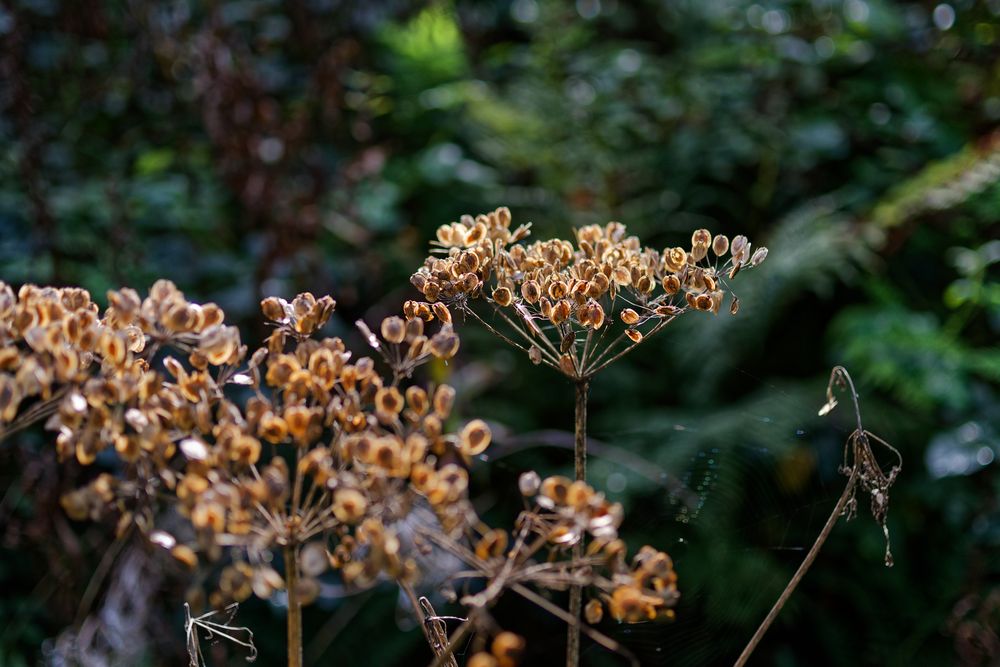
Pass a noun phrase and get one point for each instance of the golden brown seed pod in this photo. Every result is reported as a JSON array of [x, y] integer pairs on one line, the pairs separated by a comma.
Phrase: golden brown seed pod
[[531, 292], [502, 296], [556, 489], [621, 276], [594, 612], [272, 428], [671, 284], [492, 544], [701, 237], [349, 505], [699, 252], [273, 309], [734, 307], [560, 312], [474, 438], [634, 334], [416, 399], [674, 259], [567, 365], [720, 245], [595, 315], [557, 289], [442, 312], [444, 344], [667, 310], [629, 316], [508, 648], [703, 302], [388, 401], [482, 660], [444, 398], [644, 284], [185, 555], [394, 329]]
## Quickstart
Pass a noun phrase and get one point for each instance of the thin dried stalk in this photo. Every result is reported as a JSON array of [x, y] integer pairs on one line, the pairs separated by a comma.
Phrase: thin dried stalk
[[580, 471], [294, 607], [863, 470]]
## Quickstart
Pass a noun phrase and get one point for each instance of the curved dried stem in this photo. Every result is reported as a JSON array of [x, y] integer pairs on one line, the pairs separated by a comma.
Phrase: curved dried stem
[[862, 469]]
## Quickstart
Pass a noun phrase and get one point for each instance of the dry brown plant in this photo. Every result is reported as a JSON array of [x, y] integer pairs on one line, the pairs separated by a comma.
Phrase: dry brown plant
[[557, 300], [300, 453]]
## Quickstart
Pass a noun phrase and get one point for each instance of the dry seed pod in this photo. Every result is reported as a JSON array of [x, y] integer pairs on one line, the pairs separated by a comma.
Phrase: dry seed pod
[[508, 648], [394, 329], [535, 355], [594, 612], [502, 296], [629, 316], [474, 438], [442, 312], [634, 334], [529, 483], [720, 245]]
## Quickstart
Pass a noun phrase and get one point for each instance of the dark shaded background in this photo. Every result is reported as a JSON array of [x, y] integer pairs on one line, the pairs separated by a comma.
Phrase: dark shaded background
[[244, 148]]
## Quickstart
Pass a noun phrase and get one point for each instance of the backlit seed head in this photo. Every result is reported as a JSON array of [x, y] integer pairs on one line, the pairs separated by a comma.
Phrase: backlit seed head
[[394, 329], [720, 245], [634, 335], [444, 399], [474, 438], [416, 399], [502, 296]]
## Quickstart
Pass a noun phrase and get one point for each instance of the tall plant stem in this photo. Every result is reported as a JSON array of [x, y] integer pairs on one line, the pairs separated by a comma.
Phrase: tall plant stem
[[838, 510], [294, 607], [580, 470]]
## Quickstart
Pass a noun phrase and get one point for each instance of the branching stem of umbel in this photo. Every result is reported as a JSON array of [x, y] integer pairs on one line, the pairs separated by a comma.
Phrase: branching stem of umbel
[[580, 471]]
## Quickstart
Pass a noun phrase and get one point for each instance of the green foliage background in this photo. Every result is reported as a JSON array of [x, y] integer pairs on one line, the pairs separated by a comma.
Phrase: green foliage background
[[244, 148]]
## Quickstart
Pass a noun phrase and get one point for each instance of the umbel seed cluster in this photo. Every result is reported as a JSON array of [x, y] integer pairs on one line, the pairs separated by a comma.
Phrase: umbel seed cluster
[[558, 294], [298, 449]]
